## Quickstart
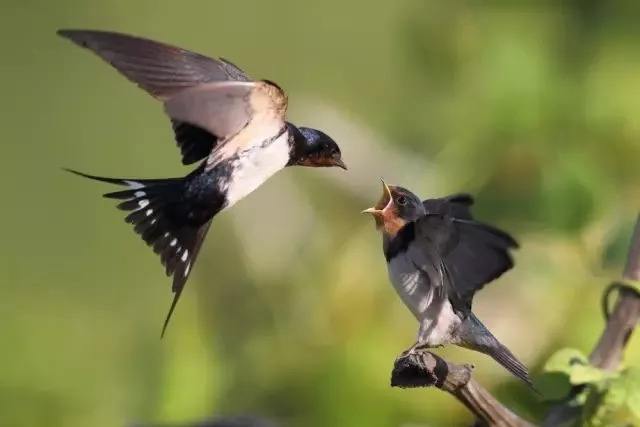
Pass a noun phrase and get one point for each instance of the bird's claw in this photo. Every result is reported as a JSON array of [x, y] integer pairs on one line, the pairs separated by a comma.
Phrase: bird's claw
[[414, 349]]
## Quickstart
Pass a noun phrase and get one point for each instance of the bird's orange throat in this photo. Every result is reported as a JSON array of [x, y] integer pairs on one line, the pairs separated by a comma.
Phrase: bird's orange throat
[[385, 212], [392, 224]]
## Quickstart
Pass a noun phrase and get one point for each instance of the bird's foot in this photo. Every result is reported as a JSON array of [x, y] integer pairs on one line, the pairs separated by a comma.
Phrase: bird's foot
[[414, 349]]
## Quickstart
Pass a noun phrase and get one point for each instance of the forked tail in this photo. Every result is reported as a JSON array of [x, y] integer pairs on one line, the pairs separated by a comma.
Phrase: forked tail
[[167, 219]]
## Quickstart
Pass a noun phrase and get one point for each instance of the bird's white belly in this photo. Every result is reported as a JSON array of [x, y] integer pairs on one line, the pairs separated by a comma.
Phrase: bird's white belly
[[428, 303], [254, 166]]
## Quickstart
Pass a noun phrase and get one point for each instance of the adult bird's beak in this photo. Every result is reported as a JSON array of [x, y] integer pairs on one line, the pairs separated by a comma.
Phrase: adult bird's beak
[[380, 208], [339, 163]]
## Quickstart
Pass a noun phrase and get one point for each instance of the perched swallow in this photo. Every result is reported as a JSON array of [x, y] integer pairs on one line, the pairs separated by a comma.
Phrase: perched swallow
[[236, 126], [437, 258]]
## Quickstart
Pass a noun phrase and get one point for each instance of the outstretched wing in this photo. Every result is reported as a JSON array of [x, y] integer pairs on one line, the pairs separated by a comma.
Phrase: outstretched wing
[[160, 69], [472, 254], [225, 108], [163, 71]]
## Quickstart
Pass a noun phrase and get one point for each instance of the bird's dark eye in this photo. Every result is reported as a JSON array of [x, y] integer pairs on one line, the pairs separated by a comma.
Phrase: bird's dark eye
[[401, 201]]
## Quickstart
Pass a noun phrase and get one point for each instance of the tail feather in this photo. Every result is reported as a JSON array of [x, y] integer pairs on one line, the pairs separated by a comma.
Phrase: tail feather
[[474, 335], [503, 356], [164, 217]]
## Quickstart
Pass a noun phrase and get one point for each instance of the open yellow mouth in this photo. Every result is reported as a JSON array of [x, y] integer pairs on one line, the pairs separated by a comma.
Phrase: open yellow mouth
[[383, 203]]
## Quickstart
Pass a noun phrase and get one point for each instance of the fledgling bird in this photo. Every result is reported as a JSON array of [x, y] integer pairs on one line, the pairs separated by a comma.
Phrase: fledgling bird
[[438, 257], [236, 126]]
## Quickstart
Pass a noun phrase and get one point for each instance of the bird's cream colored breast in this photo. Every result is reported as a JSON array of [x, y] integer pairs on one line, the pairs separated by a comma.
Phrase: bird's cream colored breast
[[254, 165]]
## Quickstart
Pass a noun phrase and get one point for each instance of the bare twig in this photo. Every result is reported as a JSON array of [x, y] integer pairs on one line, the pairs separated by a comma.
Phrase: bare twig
[[424, 369], [632, 269], [621, 323], [608, 352]]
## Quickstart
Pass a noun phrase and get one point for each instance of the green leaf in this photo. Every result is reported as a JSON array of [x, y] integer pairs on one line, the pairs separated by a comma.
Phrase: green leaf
[[553, 385], [565, 360], [575, 365], [617, 403], [632, 378], [585, 374]]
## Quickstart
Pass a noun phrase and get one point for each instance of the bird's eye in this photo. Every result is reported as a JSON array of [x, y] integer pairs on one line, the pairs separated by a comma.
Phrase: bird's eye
[[401, 201]]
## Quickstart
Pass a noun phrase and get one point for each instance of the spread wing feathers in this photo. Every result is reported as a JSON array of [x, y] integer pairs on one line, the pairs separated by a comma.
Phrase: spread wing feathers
[[456, 205], [160, 69], [473, 253], [156, 212], [481, 255], [195, 143], [221, 109]]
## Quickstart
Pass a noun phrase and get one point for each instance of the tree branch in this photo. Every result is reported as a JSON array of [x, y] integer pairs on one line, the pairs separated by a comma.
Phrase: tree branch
[[620, 325], [607, 353], [424, 369], [632, 269]]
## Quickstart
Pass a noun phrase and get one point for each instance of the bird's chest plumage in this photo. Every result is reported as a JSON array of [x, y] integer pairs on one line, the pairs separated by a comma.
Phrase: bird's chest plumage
[[250, 168], [424, 294], [412, 285]]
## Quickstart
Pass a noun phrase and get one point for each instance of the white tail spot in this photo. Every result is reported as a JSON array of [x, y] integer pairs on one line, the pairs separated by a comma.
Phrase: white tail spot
[[143, 203], [166, 234], [186, 270], [185, 255], [139, 194], [173, 242], [134, 184], [149, 212]]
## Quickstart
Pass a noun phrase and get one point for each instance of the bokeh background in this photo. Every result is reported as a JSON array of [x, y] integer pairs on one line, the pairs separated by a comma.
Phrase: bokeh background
[[532, 106]]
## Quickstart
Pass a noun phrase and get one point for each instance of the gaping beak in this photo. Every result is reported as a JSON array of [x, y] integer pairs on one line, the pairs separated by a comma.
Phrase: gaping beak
[[379, 209]]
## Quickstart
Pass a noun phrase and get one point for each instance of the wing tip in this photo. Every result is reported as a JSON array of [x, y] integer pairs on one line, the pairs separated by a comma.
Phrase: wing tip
[[64, 32], [83, 37], [70, 34]]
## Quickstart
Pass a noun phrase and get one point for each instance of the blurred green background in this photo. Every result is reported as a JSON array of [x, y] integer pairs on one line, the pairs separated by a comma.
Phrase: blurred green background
[[532, 106]]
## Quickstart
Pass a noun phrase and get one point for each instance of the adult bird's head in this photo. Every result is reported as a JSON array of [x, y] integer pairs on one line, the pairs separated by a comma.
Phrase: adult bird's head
[[395, 209], [314, 148]]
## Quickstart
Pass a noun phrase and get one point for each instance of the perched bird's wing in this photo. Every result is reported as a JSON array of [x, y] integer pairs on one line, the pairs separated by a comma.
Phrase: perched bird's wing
[[162, 70], [224, 109], [472, 253], [456, 205]]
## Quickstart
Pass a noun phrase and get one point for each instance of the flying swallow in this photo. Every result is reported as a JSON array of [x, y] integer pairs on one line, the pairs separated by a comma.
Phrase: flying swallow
[[234, 126], [438, 257]]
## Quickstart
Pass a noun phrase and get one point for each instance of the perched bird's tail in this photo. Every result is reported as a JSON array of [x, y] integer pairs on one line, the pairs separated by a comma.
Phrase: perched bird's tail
[[475, 336], [167, 220]]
